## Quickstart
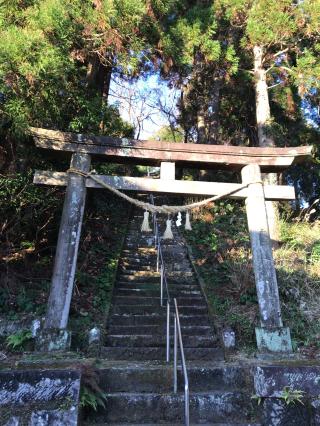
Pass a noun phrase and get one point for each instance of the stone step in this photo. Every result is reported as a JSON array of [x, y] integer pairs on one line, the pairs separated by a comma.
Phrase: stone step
[[148, 272], [142, 262], [155, 278], [155, 287], [195, 330], [135, 233], [138, 270], [153, 292], [139, 261], [173, 275], [155, 319], [194, 301], [147, 309], [158, 340], [136, 245], [131, 255], [169, 424], [159, 354], [155, 407], [142, 251], [148, 378], [150, 269]]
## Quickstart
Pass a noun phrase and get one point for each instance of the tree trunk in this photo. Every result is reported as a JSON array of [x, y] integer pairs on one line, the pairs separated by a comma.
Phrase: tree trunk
[[202, 135], [184, 119], [263, 116], [201, 125], [99, 77], [214, 111]]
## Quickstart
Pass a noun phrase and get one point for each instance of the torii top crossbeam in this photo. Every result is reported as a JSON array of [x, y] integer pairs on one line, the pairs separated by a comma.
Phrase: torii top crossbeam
[[197, 156]]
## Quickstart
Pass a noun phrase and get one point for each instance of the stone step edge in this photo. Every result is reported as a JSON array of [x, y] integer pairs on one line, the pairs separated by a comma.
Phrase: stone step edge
[[85, 423], [172, 395], [161, 349], [171, 424]]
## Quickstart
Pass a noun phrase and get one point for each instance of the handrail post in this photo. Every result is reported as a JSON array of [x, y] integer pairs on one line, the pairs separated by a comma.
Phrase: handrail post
[[183, 362], [158, 256], [186, 404], [161, 286], [155, 230], [175, 356], [168, 332]]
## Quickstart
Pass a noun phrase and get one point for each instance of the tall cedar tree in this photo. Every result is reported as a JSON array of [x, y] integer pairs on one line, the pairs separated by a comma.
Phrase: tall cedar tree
[[56, 61], [283, 38]]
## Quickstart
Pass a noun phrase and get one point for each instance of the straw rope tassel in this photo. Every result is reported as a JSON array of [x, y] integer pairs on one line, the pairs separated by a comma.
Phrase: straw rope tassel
[[187, 225], [168, 233], [145, 224]]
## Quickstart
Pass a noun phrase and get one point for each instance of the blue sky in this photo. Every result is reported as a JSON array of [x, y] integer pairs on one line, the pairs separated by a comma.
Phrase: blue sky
[[148, 103]]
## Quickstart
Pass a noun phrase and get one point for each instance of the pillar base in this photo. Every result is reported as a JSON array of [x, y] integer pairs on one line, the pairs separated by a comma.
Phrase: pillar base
[[53, 339], [275, 340]]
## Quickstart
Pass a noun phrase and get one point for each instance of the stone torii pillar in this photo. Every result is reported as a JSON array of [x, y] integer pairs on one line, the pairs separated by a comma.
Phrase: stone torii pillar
[[55, 335], [271, 337]]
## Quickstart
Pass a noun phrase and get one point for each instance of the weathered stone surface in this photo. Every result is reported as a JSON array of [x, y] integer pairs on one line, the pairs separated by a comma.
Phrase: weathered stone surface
[[45, 418], [94, 336], [273, 340], [263, 264], [277, 413], [55, 417], [20, 387], [229, 339], [315, 405], [270, 381], [52, 339], [39, 397], [10, 327], [143, 408], [67, 246]]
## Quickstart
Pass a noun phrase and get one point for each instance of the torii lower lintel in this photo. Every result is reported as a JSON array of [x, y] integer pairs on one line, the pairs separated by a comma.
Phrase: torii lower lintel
[[176, 187]]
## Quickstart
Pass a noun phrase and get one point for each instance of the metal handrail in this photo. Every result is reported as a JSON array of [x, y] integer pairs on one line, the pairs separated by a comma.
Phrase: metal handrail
[[177, 327], [177, 334]]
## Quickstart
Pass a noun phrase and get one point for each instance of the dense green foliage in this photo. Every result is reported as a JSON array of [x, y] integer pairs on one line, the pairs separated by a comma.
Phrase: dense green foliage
[[50, 53], [56, 59], [18, 340]]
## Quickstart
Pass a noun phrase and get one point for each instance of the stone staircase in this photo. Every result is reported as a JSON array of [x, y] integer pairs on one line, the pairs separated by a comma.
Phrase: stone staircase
[[134, 375]]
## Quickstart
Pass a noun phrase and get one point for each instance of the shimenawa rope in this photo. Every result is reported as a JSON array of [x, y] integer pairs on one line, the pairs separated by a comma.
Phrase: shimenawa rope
[[151, 207]]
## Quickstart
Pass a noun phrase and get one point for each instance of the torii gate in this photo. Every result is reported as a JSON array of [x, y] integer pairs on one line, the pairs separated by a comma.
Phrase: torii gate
[[271, 335]]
